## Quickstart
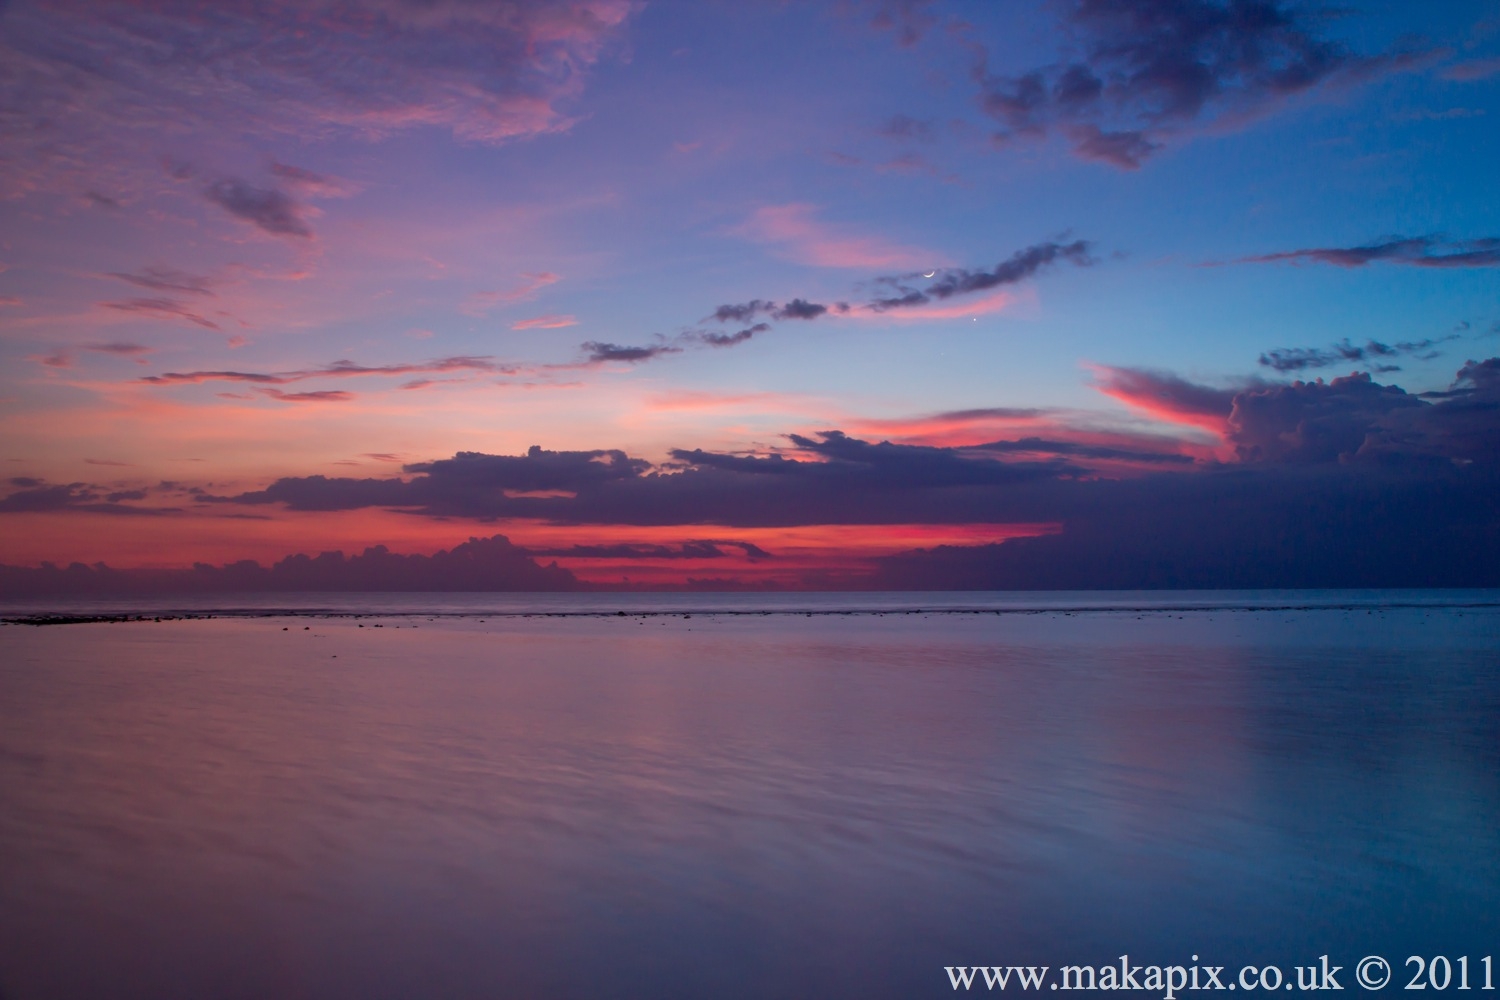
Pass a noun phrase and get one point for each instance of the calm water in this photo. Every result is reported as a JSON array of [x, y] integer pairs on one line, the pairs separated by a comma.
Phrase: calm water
[[733, 805]]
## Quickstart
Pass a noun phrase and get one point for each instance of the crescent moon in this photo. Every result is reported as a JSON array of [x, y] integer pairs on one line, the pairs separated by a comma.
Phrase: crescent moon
[[929, 274]]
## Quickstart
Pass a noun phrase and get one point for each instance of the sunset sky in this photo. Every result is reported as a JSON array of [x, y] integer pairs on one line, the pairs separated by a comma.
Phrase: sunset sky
[[796, 293]]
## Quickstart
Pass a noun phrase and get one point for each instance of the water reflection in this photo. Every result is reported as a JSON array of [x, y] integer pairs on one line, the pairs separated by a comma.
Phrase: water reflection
[[729, 806]]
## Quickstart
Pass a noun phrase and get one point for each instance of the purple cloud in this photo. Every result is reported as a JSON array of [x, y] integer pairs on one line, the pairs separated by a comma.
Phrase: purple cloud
[[165, 279], [89, 78], [1296, 359], [950, 282], [266, 208], [1417, 251], [1149, 69], [339, 369], [600, 351], [162, 308]]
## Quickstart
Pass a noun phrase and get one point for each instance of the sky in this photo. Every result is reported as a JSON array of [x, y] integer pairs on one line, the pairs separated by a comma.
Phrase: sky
[[819, 294]]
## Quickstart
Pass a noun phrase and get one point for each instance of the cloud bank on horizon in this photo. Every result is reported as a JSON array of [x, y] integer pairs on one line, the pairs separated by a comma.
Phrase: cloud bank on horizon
[[678, 323]]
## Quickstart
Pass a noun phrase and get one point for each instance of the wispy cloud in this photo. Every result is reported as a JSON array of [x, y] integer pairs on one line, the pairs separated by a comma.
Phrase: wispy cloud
[[339, 369], [908, 20], [162, 309], [798, 235], [321, 396], [1415, 251], [1473, 69], [166, 279], [950, 282], [313, 185], [551, 321], [480, 303], [1378, 354], [89, 80], [138, 353]]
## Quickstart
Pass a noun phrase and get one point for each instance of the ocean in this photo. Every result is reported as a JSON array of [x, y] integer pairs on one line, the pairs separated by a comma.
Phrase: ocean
[[709, 795]]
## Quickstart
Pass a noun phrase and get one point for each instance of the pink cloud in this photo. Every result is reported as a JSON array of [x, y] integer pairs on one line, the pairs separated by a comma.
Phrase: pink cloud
[[1474, 69], [552, 321], [480, 303], [486, 72], [161, 309], [988, 305], [1166, 397], [798, 236], [58, 359]]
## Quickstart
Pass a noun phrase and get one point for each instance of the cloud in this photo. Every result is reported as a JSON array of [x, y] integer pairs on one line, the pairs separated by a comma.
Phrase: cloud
[[480, 303], [162, 308], [58, 359], [338, 369], [1124, 149], [833, 478], [1312, 421], [1296, 359], [795, 309], [1352, 419], [1473, 69], [899, 294], [551, 321], [480, 564], [1166, 396], [89, 83], [731, 339], [35, 497], [909, 20], [1417, 251], [700, 549], [951, 282], [743, 313], [469, 483], [10, 300], [165, 279], [123, 349], [600, 351], [799, 237], [906, 127], [322, 396], [1147, 70], [800, 309], [1464, 426], [1343, 483], [840, 480], [1340, 527], [267, 208], [1079, 449], [312, 185]]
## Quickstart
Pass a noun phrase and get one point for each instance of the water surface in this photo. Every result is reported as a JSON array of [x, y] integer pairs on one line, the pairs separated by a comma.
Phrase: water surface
[[684, 801]]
